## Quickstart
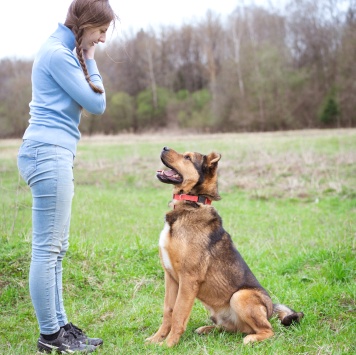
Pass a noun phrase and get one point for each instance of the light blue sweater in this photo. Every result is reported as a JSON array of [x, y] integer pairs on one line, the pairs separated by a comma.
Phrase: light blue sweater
[[59, 91]]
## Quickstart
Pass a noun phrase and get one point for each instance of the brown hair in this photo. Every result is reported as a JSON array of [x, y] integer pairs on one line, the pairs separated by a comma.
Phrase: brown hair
[[83, 14]]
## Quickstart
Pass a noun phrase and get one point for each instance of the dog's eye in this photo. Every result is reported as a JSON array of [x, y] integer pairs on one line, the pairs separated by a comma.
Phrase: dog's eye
[[187, 157]]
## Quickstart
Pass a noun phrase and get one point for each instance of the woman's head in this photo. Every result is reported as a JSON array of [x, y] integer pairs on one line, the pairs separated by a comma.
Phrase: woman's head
[[93, 35], [89, 20]]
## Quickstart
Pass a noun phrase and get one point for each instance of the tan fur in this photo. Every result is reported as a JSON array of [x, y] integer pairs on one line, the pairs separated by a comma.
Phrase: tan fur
[[200, 261]]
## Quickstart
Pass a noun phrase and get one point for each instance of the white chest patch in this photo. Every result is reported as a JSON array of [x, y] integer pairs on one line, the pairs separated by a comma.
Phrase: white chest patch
[[163, 237]]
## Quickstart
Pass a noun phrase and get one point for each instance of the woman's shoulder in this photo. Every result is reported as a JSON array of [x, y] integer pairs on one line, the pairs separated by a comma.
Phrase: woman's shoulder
[[59, 52], [54, 50], [56, 53]]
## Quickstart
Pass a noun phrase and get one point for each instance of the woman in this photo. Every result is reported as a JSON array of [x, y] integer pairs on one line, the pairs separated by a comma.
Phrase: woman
[[62, 85]]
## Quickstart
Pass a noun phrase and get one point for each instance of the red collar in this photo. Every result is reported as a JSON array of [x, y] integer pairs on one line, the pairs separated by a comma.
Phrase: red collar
[[194, 198]]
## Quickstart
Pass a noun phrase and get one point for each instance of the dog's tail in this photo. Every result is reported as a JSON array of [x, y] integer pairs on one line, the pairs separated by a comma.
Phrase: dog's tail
[[286, 315]]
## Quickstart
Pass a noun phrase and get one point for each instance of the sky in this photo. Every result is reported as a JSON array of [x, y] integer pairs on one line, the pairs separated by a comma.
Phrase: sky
[[26, 24]]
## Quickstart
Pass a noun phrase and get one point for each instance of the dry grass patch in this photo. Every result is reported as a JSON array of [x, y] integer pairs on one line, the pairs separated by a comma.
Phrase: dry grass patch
[[302, 164], [292, 175]]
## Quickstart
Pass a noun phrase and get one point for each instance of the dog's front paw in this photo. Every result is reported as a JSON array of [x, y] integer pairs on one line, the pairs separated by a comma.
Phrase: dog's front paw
[[172, 339]]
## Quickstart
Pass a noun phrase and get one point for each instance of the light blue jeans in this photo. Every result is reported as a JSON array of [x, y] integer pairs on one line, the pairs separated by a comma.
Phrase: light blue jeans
[[48, 170]]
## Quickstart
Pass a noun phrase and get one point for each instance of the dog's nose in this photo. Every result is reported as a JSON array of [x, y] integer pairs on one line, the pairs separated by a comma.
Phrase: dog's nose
[[166, 148]]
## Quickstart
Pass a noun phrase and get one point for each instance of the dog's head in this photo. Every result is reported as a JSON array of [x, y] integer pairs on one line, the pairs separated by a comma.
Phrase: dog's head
[[191, 173]]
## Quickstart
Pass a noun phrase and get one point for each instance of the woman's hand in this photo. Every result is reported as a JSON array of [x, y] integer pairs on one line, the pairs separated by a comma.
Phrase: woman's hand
[[89, 53]]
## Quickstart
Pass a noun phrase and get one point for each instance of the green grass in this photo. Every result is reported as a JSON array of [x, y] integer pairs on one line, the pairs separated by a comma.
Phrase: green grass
[[288, 201]]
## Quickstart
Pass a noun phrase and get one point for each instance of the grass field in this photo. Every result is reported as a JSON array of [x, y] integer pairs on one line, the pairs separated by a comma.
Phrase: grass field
[[288, 201]]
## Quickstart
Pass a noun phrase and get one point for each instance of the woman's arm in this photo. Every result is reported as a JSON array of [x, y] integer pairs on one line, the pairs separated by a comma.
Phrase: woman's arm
[[67, 72]]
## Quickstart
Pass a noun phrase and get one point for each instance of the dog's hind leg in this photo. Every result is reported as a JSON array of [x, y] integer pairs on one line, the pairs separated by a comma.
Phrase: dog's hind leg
[[253, 308], [171, 291]]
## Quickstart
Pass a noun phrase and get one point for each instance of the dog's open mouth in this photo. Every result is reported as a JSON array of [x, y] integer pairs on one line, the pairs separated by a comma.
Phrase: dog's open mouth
[[169, 176]]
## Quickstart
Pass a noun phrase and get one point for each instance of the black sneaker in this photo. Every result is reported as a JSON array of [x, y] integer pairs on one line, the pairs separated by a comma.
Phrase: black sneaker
[[82, 337], [66, 343]]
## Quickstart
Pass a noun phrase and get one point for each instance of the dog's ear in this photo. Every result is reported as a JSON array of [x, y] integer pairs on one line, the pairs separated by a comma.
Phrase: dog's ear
[[212, 159], [212, 163]]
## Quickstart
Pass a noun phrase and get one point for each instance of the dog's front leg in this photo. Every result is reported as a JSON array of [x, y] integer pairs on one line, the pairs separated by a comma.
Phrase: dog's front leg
[[171, 290], [188, 290]]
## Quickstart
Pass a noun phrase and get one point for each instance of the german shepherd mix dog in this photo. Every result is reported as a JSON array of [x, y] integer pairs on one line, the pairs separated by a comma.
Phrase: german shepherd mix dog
[[200, 260]]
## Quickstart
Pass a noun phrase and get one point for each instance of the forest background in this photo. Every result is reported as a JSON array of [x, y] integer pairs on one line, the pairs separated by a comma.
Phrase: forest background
[[258, 69]]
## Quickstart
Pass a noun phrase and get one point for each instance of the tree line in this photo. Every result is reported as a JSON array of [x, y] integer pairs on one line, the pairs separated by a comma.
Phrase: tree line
[[259, 69]]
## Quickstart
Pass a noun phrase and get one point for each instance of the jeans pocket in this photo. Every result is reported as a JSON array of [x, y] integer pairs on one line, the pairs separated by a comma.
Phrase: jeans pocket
[[27, 161]]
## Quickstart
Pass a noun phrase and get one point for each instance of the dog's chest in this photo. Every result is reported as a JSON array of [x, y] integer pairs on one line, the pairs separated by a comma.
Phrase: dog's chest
[[163, 242]]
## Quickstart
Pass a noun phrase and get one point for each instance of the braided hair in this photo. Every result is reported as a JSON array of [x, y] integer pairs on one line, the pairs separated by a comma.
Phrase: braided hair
[[83, 14]]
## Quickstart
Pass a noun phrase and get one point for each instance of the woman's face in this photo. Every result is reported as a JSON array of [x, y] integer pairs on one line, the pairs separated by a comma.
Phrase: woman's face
[[94, 35]]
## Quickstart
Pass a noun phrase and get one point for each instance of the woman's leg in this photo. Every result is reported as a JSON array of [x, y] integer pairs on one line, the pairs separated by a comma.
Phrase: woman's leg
[[61, 314], [52, 190]]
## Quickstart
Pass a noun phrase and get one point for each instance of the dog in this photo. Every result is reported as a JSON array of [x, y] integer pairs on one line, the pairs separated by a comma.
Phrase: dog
[[200, 260]]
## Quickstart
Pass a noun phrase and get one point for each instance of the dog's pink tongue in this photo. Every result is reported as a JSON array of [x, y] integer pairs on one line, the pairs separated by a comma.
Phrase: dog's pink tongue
[[169, 173]]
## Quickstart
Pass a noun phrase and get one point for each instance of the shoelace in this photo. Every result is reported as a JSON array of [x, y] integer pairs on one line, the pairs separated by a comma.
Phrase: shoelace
[[77, 331]]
